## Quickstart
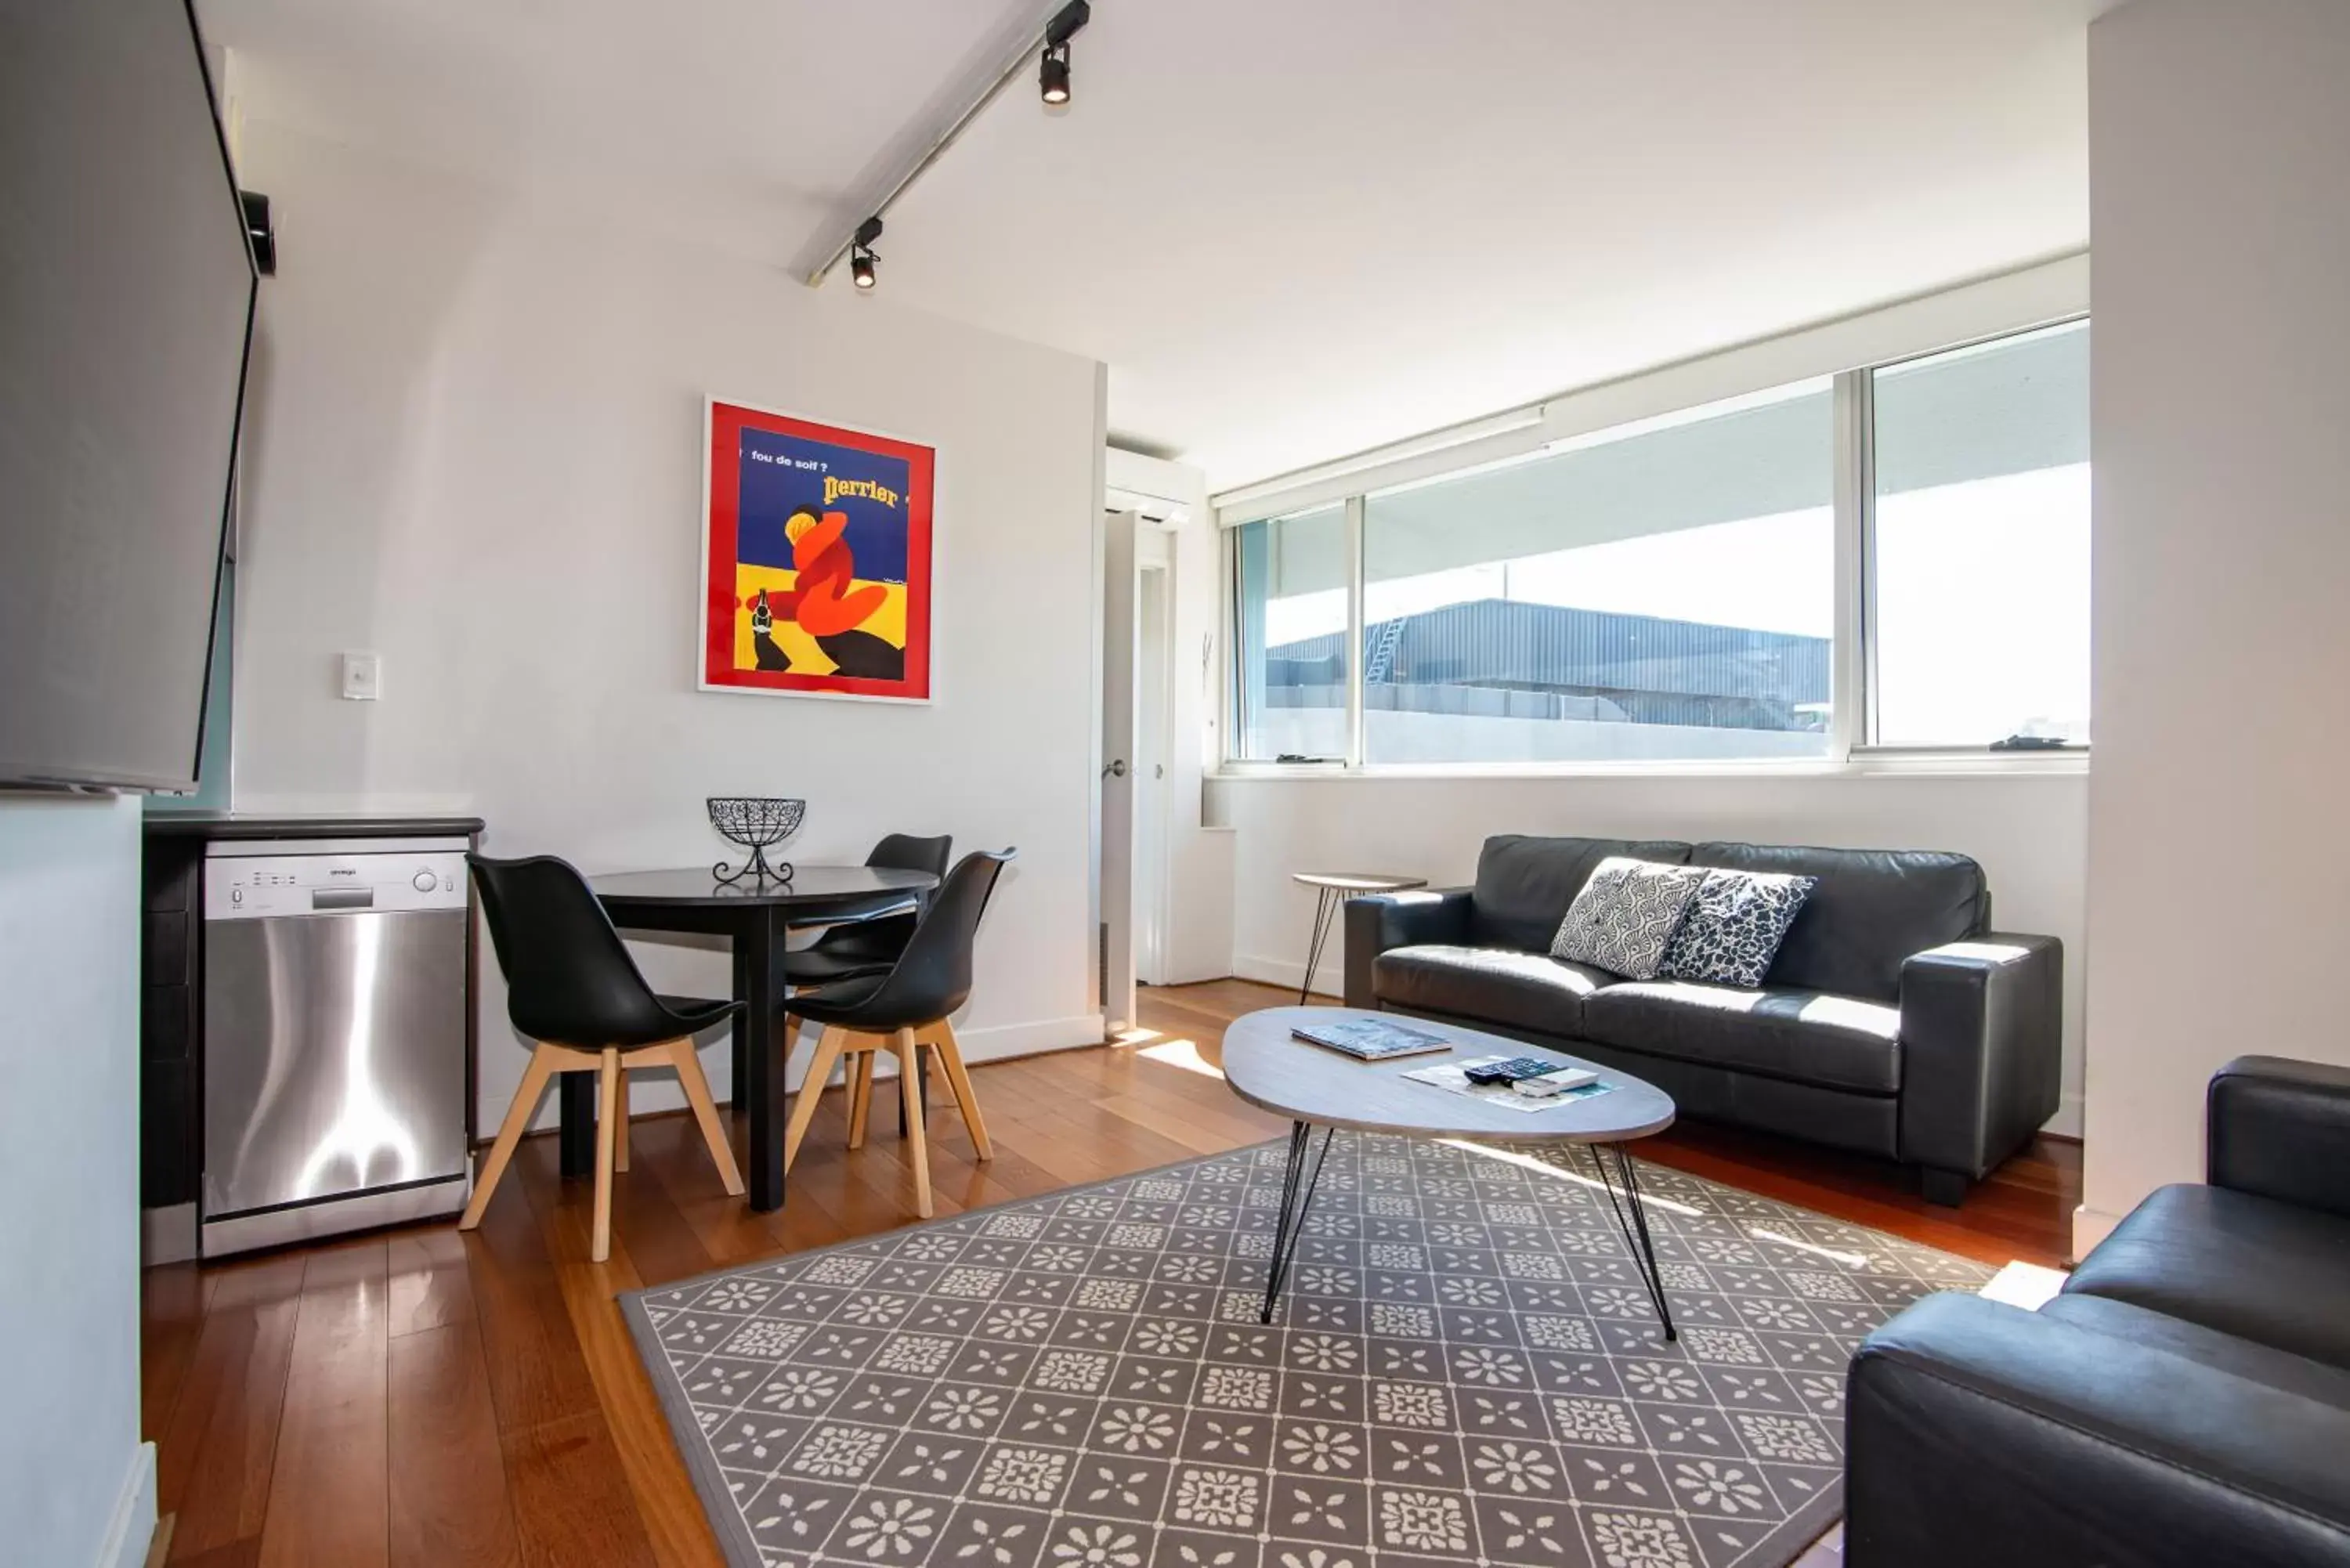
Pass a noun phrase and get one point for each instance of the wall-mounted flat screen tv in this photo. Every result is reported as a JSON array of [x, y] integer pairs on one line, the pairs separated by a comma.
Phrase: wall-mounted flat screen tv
[[126, 301]]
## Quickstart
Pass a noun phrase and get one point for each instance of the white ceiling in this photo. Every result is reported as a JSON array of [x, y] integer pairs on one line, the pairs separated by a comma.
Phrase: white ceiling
[[1294, 229]]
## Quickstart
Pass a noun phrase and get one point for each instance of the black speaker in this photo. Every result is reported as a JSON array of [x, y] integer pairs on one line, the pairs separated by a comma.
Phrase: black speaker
[[264, 237]]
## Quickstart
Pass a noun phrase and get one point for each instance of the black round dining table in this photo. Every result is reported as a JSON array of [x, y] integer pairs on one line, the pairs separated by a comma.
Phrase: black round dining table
[[755, 916]]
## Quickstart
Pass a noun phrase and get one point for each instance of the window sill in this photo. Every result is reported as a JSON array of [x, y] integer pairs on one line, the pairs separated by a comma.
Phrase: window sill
[[1868, 763]]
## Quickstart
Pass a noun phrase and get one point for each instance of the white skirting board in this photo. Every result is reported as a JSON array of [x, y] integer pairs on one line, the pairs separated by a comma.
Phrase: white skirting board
[[657, 1091], [1329, 979], [132, 1527]]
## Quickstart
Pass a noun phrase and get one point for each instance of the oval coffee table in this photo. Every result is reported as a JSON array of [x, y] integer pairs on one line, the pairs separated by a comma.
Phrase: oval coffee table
[[1272, 1069]]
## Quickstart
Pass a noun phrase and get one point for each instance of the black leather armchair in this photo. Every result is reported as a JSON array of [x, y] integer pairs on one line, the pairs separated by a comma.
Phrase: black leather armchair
[[2281, 1129], [2185, 1401]]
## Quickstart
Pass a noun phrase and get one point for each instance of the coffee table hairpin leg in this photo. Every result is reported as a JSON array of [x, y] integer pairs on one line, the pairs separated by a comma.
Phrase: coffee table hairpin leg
[[1632, 1218], [1297, 1183]]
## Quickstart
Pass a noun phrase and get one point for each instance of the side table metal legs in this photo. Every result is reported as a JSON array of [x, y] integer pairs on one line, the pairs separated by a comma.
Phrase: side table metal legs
[[1327, 904], [1297, 1183], [1633, 1220]]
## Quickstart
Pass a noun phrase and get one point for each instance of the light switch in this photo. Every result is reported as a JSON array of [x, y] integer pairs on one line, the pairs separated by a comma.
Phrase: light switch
[[362, 676]]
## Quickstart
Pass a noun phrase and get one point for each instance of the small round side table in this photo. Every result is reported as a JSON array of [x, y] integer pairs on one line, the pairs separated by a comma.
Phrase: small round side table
[[1332, 889]]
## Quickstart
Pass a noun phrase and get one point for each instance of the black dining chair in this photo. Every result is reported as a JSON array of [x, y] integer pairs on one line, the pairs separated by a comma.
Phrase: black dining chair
[[857, 949], [573, 990], [904, 1012]]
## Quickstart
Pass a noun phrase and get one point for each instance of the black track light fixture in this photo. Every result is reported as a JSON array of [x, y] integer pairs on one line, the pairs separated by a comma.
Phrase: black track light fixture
[[862, 262], [1053, 70]]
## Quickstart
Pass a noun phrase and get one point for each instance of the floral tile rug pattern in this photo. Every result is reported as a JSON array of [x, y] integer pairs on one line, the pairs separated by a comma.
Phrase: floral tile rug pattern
[[1464, 1371]]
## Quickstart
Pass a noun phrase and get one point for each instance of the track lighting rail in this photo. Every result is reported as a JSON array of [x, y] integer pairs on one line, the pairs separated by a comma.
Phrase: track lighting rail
[[1047, 44]]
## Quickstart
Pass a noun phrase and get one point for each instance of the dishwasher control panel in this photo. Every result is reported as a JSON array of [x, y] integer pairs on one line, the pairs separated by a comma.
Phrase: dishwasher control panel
[[263, 887]]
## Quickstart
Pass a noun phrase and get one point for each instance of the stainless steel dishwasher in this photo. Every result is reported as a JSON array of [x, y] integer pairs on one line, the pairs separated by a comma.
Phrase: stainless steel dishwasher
[[335, 1071]]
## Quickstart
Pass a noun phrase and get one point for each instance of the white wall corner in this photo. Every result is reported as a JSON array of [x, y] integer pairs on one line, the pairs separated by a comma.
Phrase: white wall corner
[[132, 1529], [2066, 1122], [2090, 1226]]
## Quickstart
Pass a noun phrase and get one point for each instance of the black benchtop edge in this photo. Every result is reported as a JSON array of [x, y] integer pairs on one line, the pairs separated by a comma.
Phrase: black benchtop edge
[[231, 824]]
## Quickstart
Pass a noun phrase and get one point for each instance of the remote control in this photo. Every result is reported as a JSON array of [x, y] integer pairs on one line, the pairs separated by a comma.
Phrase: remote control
[[1511, 1070]]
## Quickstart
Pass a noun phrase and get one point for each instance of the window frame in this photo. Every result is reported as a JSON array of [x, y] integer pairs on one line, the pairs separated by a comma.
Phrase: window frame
[[1863, 469], [1852, 728]]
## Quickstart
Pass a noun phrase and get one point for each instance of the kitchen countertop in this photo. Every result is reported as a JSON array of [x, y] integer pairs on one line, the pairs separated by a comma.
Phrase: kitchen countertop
[[210, 825]]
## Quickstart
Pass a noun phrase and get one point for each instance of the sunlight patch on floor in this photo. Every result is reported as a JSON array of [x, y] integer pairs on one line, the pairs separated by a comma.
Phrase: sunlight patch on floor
[[2026, 1285], [1183, 1053], [1764, 1233], [1528, 1162], [1134, 1036]]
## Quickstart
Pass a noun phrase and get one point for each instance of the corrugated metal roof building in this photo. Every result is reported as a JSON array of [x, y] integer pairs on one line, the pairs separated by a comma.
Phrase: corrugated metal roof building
[[1504, 658]]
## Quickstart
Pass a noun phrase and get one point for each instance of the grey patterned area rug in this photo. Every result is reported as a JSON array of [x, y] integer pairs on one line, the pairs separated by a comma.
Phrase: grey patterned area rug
[[1464, 1370]]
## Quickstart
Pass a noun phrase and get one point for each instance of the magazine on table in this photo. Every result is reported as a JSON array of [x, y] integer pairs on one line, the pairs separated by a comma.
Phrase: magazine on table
[[1369, 1039], [1454, 1078]]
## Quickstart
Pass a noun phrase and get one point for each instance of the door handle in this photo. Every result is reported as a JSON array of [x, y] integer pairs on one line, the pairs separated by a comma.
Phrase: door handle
[[1115, 770]]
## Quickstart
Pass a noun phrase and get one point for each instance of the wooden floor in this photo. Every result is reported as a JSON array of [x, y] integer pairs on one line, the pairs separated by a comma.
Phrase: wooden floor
[[422, 1398]]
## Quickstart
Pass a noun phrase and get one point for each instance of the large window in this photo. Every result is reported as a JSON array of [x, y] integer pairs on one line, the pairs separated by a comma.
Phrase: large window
[[1667, 593], [1674, 590], [1290, 579], [1980, 556]]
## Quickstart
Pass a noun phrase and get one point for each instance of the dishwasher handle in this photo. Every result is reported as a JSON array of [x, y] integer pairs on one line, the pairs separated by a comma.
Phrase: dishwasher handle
[[342, 898]]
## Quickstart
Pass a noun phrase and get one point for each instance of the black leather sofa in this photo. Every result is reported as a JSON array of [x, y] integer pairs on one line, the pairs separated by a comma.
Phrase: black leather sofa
[[2184, 1403], [1892, 1021]]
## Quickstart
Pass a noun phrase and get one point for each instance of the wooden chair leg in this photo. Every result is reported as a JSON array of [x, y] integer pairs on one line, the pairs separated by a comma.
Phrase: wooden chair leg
[[827, 1051], [600, 1244], [860, 1096], [691, 1078], [909, 1080], [942, 1039], [621, 1143], [517, 1121]]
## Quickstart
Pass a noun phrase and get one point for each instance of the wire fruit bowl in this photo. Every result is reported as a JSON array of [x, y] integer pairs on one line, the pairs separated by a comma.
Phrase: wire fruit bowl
[[758, 823]]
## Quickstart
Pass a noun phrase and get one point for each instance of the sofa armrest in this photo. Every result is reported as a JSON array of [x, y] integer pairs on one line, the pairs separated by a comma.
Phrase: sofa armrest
[[1981, 1433], [1982, 1029], [1378, 922], [2278, 1128]]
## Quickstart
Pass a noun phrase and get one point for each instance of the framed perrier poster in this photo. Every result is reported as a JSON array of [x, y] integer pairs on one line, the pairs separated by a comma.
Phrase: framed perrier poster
[[816, 558]]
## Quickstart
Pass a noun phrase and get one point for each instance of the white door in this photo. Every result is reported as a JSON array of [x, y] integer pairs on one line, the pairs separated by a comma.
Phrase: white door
[[1121, 635], [1151, 701]]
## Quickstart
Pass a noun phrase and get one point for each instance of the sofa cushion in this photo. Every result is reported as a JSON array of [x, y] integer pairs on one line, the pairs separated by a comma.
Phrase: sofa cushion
[[1499, 985], [1871, 910], [1735, 926], [1625, 916], [2226, 1352], [1525, 884], [1807, 1036], [2276, 1273]]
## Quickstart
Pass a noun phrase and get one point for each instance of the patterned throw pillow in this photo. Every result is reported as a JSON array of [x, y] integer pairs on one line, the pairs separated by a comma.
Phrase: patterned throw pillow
[[1625, 915], [1735, 926]]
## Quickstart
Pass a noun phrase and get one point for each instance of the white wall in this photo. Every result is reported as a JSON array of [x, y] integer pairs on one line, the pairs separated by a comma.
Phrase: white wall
[[2026, 829], [2221, 533], [477, 452], [77, 1486]]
